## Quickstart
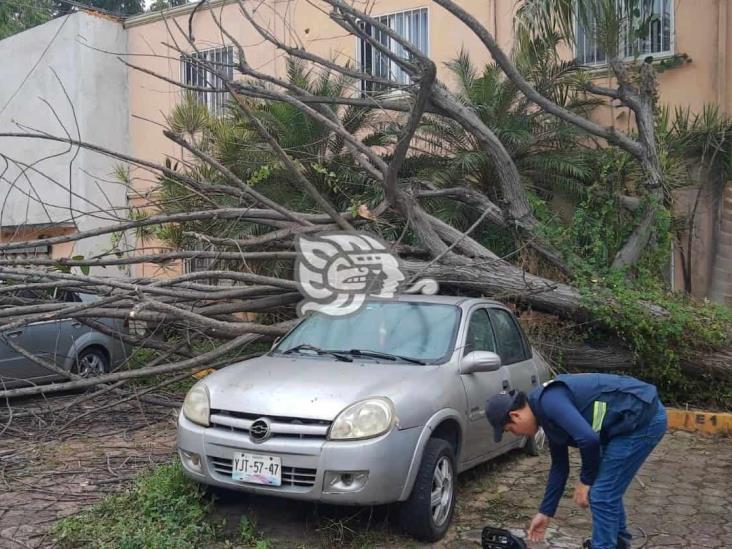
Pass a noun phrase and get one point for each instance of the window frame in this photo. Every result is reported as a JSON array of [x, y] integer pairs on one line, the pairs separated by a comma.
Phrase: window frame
[[527, 352], [670, 52], [486, 310], [361, 44], [217, 107]]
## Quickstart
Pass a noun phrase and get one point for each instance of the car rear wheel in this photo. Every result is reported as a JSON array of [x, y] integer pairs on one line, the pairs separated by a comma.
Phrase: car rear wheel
[[427, 513], [91, 362]]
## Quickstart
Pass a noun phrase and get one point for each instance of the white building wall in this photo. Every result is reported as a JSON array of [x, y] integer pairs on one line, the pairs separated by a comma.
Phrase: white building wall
[[43, 182]]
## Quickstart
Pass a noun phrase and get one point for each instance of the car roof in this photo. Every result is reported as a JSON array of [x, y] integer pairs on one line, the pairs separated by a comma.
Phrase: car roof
[[460, 301]]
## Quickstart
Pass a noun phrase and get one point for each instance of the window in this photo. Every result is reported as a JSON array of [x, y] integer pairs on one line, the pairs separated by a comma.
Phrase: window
[[480, 334], [510, 340], [423, 331], [410, 25], [195, 74], [67, 296], [656, 19], [197, 264]]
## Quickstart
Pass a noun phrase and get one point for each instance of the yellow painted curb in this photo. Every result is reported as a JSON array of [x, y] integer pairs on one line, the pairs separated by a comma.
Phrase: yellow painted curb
[[700, 422]]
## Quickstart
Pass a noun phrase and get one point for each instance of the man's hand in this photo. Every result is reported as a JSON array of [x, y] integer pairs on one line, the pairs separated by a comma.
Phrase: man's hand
[[537, 528], [582, 495]]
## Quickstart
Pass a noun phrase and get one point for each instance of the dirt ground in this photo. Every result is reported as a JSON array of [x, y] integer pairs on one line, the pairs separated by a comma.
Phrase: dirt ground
[[53, 465], [47, 471]]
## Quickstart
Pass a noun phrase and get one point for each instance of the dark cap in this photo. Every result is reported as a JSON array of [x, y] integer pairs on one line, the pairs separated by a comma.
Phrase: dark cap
[[496, 411]]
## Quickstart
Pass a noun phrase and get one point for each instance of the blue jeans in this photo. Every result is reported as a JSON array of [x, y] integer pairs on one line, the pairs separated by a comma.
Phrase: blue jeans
[[621, 459]]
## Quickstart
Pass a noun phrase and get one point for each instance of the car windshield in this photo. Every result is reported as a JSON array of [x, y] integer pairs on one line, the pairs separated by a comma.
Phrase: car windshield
[[419, 331]]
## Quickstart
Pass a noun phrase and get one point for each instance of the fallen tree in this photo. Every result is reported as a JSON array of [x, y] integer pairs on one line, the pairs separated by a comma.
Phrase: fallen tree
[[248, 210]]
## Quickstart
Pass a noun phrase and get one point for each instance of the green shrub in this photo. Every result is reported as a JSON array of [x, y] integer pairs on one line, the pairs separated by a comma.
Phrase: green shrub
[[163, 509]]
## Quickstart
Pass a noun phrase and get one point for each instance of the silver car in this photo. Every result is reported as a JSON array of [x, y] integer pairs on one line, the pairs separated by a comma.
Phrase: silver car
[[66, 343], [385, 405]]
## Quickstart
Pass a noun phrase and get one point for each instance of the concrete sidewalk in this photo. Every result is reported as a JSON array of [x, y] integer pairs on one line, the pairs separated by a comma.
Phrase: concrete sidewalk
[[683, 499]]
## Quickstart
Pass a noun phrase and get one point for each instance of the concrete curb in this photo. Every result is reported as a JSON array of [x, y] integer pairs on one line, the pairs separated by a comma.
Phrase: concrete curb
[[699, 422]]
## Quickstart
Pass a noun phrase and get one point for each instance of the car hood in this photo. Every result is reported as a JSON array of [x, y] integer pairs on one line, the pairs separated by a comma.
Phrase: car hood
[[312, 388]]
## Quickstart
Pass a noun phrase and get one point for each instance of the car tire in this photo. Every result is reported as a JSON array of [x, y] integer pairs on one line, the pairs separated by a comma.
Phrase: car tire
[[419, 516], [91, 362]]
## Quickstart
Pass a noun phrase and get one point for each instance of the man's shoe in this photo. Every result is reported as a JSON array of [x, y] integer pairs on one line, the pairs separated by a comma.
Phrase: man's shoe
[[587, 544]]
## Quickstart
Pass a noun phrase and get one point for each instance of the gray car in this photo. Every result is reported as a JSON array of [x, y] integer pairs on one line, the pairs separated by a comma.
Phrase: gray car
[[385, 405], [66, 343]]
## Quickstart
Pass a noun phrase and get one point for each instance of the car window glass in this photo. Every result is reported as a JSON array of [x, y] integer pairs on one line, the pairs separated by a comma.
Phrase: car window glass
[[510, 342], [67, 296], [480, 335], [34, 294], [421, 331]]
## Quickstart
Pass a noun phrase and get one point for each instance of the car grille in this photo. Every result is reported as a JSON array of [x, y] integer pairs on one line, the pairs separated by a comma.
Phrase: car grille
[[281, 427], [291, 476]]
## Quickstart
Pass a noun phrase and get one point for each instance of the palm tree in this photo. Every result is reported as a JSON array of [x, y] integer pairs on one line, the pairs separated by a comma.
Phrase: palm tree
[[546, 151], [551, 156], [235, 143]]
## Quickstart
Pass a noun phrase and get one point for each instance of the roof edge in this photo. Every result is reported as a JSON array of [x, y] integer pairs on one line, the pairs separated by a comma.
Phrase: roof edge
[[154, 16]]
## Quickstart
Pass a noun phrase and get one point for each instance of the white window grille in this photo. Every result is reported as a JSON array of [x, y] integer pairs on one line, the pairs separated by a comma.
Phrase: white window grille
[[657, 17], [410, 25], [201, 75]]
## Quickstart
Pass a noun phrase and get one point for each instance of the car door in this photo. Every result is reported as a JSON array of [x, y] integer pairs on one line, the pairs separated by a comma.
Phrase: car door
[[15, 366], [50, 340], [60, 342], [479, 386], [515, 354], [514, 350]]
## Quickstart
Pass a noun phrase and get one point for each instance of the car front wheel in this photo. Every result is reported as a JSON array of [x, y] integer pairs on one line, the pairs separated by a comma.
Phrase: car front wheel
[[91, 362], [426, 514]]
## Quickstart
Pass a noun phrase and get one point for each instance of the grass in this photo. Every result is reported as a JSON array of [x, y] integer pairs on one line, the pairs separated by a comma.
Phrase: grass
[[163, 509], [249, 536]]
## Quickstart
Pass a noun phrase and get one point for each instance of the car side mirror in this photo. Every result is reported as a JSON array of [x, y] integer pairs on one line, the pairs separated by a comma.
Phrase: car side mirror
[[480, 361]]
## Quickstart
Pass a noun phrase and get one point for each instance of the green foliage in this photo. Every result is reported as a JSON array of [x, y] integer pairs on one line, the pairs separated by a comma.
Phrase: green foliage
[[661, 342], [551, 157], [235, 142], [19, 15], [249, 535], [189, 117], [618, 303], [616, 27], [165, 4], [686, 142], [142, 232], [163, 509], [704, 137], [601, 225], [548, 153], [120, 7]]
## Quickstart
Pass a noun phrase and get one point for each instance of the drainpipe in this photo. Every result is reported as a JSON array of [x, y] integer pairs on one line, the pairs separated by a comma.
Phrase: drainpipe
[[495, 20], [719, 287], [722, 56]]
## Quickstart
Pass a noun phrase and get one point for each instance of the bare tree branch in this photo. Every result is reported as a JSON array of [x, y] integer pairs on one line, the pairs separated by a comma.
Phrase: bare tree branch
[[609, 134]]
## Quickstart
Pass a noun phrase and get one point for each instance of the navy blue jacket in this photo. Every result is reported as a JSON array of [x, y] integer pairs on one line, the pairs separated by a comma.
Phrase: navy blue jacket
[[586, 411]]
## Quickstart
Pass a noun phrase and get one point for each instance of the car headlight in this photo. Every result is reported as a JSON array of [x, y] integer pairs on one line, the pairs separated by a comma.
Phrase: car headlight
[[365, 419], [196, 406]]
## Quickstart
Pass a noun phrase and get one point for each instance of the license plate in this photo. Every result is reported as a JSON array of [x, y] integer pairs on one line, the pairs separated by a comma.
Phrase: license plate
[[257, 469]]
